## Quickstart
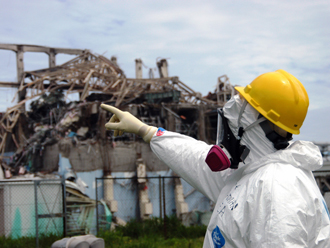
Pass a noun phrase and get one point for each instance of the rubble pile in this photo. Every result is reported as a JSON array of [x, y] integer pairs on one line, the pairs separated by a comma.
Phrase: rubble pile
[[53, 123], [50, 121]]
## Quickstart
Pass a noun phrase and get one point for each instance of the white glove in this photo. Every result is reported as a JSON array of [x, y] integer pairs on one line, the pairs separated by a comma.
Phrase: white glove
[[123, 121]]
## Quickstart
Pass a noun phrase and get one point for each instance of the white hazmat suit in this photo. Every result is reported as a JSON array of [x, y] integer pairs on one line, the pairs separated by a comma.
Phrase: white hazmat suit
[[271, 200]]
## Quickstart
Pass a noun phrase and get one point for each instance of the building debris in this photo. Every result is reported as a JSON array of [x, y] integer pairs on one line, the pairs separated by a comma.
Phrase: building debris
[[55, 136], [54, 126]]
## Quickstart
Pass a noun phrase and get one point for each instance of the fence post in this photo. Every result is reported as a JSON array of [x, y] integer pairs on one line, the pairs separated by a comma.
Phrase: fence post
[[64, 207], [97, 209], [164, 205], [36, 182], [160, 197]]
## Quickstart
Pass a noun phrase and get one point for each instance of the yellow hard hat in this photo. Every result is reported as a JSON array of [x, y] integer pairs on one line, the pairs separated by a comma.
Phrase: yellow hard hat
[[279, 97]]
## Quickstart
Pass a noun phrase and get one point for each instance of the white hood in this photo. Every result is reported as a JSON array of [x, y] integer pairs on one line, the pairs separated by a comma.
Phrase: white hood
[[302, 154]]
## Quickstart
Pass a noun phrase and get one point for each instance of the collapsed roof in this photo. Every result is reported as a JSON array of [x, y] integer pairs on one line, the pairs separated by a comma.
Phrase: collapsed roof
[[164, 101]]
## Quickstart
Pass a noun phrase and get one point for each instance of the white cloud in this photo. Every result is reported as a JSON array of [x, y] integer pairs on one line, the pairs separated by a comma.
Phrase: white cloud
[[203, 39]]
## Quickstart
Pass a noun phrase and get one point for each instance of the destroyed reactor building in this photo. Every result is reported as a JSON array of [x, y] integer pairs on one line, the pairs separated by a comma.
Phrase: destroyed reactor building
[[44, 135], [76, 129]]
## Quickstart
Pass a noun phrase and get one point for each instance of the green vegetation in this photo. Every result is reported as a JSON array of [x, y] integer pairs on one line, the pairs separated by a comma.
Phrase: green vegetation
[[136, 234], [151, 233], [29, 242]]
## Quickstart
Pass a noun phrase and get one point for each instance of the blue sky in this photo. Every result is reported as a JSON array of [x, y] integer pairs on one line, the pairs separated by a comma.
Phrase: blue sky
[[202, 40]]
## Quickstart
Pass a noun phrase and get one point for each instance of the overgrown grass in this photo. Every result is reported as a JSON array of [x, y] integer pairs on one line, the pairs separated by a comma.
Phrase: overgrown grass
[[173, 228], [29, 242], [115, 240], [152, 233], [136, 234]]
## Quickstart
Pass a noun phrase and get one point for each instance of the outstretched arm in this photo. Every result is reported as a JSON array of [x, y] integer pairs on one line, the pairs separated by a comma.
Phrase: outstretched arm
[[183, 154]]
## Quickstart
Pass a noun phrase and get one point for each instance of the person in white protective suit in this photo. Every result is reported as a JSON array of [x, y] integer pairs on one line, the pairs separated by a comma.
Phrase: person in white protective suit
[[261, 182]]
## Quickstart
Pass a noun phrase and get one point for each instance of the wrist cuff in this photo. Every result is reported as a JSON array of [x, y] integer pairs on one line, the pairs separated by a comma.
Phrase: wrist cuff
[[147, 132]]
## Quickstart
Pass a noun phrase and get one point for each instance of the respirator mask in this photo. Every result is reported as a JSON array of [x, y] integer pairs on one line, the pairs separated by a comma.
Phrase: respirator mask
[[228, 151]]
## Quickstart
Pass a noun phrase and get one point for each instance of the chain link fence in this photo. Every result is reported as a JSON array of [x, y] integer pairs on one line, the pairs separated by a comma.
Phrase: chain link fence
[[32, 208], [138, 198]]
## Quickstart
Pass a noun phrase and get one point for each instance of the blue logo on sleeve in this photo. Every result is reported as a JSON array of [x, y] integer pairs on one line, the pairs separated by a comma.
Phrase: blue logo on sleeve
[[160, 131], [218, 239]]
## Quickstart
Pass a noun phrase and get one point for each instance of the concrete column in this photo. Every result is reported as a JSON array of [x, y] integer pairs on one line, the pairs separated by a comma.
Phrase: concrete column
[[144, 201], [163, 68], [109, 194], [138, 68], [20, 63], [52, 58], [180, 204], [20, 72], [170, 122]]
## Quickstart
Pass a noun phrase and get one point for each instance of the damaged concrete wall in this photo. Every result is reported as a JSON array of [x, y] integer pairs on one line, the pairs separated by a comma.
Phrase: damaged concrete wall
[[90, 157], [76, 129]]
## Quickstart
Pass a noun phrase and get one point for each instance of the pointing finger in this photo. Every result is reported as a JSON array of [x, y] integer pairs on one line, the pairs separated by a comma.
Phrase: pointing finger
[[112, 109]]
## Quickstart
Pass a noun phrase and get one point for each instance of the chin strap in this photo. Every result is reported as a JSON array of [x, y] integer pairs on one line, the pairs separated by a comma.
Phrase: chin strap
[[241, 130], [278, 141]]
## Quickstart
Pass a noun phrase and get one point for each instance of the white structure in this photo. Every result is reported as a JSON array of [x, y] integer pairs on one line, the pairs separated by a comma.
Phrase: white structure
[[180, 204], [109, 195], [145, 204]]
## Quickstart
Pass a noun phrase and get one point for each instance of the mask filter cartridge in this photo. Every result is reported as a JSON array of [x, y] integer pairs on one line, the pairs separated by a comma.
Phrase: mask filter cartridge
[[218, 158]]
